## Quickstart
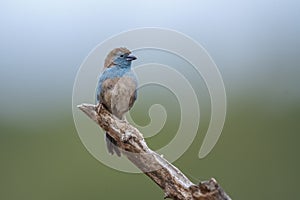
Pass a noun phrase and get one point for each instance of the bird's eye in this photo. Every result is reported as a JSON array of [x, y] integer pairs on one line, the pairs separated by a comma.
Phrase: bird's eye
[[121, 55]]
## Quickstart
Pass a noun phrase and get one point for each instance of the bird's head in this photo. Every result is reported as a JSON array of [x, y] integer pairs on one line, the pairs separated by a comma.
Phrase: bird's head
[[119, 56]]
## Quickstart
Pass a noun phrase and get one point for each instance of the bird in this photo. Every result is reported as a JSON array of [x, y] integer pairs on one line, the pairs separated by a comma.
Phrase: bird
[[117, 88]]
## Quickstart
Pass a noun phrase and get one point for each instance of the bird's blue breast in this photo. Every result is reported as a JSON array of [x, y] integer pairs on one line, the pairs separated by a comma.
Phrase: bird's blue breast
[[113, 73]]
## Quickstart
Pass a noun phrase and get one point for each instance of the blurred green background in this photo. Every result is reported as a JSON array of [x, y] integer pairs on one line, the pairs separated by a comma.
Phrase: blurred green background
[[254, 43]]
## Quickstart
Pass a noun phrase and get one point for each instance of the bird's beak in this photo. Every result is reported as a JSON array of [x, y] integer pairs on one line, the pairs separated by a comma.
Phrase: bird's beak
[[130, 58]]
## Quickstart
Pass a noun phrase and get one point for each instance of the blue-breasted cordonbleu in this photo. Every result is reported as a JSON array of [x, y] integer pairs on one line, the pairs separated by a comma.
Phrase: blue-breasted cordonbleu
[[117, 88]]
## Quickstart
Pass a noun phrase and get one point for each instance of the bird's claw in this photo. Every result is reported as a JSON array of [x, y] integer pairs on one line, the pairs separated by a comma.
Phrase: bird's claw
[[98, 107], [126, 136]]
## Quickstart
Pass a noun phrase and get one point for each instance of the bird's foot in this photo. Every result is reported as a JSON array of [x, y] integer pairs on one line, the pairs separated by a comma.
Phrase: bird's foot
[[126, 136], [99, 107]]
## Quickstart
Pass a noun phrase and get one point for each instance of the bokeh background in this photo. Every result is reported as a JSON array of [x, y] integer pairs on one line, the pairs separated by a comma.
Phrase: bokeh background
[[254, 43]]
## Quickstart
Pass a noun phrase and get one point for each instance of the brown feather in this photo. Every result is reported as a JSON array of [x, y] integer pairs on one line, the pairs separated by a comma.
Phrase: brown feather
[[118, 95], [110, 57]]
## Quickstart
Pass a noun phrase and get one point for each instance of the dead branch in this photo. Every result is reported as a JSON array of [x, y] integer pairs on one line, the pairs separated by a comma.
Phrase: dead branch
[[173, 182]]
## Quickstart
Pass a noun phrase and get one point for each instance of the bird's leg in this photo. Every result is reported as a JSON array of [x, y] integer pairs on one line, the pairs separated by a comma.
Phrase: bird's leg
[[99, 107], [127, 135], [124, 119]]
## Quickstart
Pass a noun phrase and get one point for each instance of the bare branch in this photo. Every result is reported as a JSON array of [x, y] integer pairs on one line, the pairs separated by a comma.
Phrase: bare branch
[[174, 183]]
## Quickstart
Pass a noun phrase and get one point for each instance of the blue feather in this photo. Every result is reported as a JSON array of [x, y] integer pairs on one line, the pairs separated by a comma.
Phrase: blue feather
[[114, 72]]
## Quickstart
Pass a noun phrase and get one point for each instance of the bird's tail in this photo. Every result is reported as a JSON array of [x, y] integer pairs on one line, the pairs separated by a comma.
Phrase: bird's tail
[[112, 145]]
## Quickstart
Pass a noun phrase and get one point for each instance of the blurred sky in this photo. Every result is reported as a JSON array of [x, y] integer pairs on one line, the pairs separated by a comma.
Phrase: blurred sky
[[44, 42]]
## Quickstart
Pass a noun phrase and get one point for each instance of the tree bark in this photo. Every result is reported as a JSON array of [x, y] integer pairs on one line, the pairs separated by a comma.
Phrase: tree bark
[[173, 182]]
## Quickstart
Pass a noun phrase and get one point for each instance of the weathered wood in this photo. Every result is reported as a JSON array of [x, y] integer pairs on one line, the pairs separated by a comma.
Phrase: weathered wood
[[174, 183]]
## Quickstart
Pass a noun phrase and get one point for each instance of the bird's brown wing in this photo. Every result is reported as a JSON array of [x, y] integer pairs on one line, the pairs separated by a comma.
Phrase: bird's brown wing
[[118, 95]]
